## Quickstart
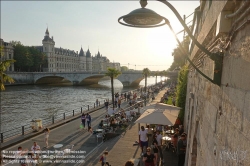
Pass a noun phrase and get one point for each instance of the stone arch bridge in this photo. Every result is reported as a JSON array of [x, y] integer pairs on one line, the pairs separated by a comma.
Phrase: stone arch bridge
[[129, 78]]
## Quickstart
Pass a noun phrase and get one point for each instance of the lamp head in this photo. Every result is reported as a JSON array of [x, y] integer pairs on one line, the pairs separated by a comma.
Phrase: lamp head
[[143, 18]]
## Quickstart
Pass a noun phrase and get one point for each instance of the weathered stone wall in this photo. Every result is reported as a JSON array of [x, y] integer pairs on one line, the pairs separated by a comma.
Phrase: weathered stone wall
[[217, 118]]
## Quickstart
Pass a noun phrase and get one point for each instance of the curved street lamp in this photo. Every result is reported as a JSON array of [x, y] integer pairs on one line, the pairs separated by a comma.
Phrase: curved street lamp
[[146, 18]]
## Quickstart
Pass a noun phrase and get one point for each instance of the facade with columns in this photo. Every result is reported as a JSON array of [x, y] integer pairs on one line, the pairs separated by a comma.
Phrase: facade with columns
[[65, 60], [7, 53]]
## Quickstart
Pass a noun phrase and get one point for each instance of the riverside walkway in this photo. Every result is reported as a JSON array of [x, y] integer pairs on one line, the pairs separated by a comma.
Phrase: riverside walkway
[[120, 148]]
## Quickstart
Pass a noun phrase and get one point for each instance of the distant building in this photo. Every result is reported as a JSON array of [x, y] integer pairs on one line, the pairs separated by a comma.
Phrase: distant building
[[8, 53], [65, 60]]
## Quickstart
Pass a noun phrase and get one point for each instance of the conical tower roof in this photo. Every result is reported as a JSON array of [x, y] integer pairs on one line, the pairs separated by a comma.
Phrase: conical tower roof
[[88, 54], [81, 53], [98, 55], [47, 31]]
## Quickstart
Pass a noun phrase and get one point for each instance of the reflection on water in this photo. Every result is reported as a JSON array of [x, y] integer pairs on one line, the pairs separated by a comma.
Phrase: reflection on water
[[21, 104]]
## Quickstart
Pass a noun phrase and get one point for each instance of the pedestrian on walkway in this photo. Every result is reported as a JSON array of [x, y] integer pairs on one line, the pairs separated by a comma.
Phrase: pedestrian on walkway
[[119, 102], [88, 119], [181, 148], [96, 103], [104, 159], [83, 118], [46, 138], [143, 138], [149, 158], [155, 148], [159, 142], [106, 105]]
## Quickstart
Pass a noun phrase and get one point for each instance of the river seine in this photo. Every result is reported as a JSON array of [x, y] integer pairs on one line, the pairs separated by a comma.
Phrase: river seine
[[21, 104]]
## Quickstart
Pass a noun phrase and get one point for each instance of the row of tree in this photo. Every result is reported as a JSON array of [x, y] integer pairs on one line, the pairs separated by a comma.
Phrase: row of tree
[[28, 59]]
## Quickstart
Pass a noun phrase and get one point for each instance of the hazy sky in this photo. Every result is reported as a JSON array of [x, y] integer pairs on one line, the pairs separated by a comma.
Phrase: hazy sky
[[94, 24]]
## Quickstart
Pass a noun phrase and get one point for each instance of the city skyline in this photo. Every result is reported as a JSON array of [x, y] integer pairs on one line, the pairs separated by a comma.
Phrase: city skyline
[[94, 25]]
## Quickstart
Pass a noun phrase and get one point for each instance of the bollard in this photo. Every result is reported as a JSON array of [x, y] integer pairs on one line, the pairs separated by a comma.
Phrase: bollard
[[64, 116], [94, 105], [99, 103], [73, 113], [53, 119], [81, 109], [88, 107], [22, 130]]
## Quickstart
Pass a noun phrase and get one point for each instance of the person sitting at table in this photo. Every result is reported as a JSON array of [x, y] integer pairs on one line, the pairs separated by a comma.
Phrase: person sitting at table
[[100, 126]]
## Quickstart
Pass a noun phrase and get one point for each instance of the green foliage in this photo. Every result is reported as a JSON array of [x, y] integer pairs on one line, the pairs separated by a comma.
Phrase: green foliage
[[179, 57], [112, 73], [28, 58], [124, 68], [4, 65], [182, 91]]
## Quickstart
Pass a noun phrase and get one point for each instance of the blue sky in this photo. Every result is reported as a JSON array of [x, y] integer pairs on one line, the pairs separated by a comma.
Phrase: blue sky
[[94, 24]]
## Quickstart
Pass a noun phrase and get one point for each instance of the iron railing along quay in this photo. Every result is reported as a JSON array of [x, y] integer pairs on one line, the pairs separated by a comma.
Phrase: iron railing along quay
[[26, 129]]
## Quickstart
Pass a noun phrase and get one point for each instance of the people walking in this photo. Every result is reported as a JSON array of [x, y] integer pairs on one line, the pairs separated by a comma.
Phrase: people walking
[[88, 119], [46, 138], [181, 148], [83, 118], [143, 138], [159, 142], [96, 103], [119, 102], [103, 159], [106, 105]]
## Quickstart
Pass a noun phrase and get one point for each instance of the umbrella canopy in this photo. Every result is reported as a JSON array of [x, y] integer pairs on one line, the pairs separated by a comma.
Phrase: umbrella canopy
[[165, 107], [156, 116]]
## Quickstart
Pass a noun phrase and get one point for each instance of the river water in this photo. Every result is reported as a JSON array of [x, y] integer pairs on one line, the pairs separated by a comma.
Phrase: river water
[[21, 104]]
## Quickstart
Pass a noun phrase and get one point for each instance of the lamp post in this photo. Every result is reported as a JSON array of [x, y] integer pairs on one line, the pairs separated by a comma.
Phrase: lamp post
[[146, 18]]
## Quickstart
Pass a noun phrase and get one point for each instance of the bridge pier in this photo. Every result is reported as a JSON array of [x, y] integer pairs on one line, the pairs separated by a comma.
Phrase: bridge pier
[[75, 83]]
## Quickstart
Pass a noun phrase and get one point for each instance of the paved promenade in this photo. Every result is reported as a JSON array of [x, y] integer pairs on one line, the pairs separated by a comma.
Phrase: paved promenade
[[120, 147]]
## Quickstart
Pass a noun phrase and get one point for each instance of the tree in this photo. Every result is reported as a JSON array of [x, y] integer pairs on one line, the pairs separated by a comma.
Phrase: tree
[[182, 91], [112, 73], [3, 67], [124, 68], [145, 73]]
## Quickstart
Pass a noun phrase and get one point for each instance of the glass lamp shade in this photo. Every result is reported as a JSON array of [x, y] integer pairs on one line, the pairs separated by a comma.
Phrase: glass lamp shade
[[143, 17]]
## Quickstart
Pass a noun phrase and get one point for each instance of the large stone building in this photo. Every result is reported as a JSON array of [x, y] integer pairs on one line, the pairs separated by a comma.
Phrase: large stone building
[[65, 60], [217, 117], [7, 53]]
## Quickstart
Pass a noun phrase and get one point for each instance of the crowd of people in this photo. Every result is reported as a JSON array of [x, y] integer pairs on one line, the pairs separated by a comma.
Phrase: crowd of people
[[154, 151]]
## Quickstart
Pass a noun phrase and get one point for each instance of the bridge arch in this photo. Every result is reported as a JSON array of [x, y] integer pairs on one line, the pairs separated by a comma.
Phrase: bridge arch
[[91, 80], [51, 80]]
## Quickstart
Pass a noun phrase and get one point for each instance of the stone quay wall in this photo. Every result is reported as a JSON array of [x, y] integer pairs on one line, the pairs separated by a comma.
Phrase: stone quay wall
[[217, 118]]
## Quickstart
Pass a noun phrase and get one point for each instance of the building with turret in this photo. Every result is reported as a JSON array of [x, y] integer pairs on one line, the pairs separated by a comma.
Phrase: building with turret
[[65, 60]]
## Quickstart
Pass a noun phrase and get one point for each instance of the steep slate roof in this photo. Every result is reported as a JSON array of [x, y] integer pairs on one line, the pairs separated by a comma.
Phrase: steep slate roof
[[65, 51], [98, 55], [81, 53], [88, 54]]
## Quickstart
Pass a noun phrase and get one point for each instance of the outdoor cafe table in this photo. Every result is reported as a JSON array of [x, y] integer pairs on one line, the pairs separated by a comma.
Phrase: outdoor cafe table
[[166, 139], [169, 132]]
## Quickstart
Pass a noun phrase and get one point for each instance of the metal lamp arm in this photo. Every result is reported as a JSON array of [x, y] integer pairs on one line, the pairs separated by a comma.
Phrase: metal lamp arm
[[187, 55], [186, 28]]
